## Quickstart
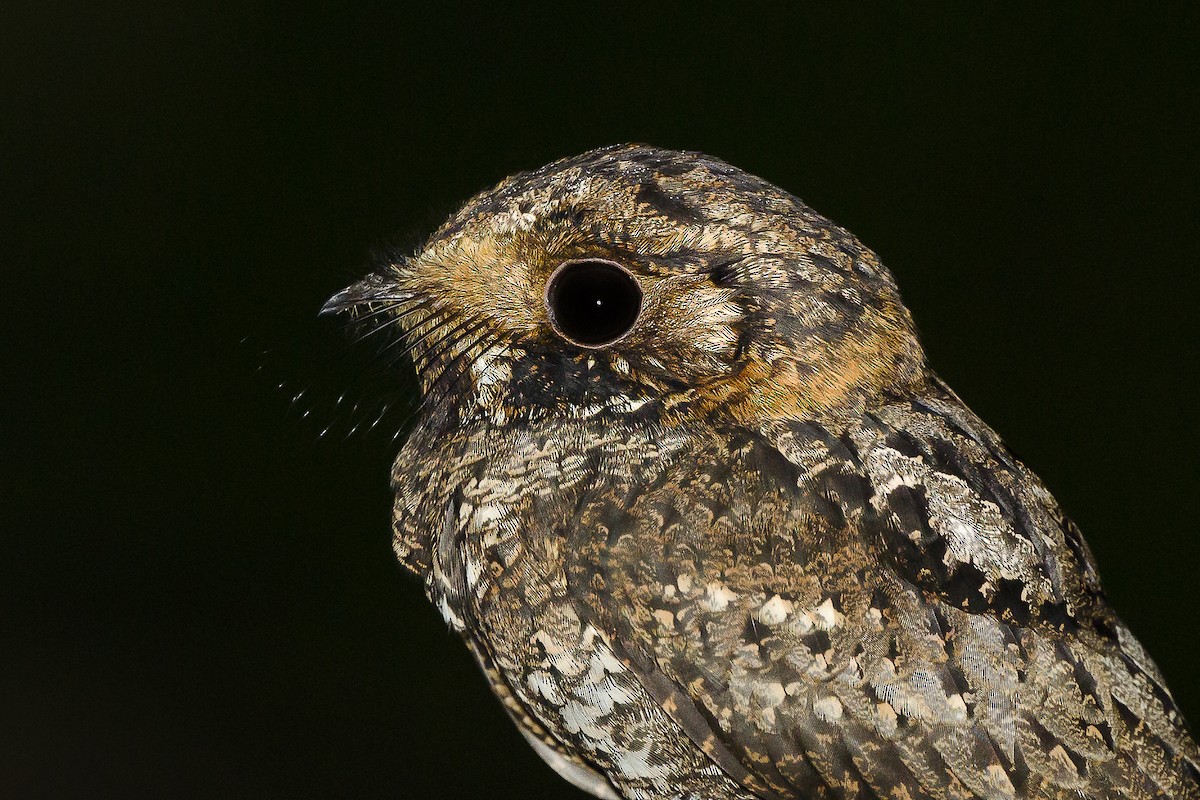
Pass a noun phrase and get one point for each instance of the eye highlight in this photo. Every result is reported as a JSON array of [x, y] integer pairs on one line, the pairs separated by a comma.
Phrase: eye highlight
[[592, 302]]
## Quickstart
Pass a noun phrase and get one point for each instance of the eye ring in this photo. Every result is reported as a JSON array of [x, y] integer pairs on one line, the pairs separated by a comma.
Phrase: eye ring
[[593, 302]]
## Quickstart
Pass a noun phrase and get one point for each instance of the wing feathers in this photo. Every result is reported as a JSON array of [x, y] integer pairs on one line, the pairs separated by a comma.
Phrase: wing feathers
[[897, 610]]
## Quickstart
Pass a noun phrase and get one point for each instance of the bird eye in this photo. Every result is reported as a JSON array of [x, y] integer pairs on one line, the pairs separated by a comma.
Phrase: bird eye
[[593, 302]]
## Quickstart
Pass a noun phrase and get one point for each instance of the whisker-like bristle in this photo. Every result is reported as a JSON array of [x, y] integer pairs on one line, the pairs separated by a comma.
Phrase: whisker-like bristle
[[438, 384], [441, 342], [406, 343], [458, 369], [447, 380], [374, 423], [447, 341], [398, 312]]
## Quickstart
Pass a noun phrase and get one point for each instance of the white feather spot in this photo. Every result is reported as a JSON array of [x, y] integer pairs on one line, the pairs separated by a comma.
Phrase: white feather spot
[[958, 708], [579, 718], [774, 611], [717, 597], [827, 616], [637, 763], [539, 682], [770, 694], [452, 619], [828, 709]]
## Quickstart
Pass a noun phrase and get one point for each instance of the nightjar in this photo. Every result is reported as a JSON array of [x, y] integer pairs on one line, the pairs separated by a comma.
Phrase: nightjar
[[684, 482]]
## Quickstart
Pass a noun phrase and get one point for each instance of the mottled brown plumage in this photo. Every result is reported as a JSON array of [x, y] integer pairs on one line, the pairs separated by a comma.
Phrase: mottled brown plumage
[[753, 548]]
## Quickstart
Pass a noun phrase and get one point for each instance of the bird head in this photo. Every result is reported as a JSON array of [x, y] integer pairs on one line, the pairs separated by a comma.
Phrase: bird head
[[633, 279]]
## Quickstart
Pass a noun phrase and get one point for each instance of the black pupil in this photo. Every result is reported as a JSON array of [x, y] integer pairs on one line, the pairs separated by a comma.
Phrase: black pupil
[[593, 302]]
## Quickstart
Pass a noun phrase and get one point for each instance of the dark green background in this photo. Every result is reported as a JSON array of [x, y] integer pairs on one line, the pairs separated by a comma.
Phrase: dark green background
[[199, 598]]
